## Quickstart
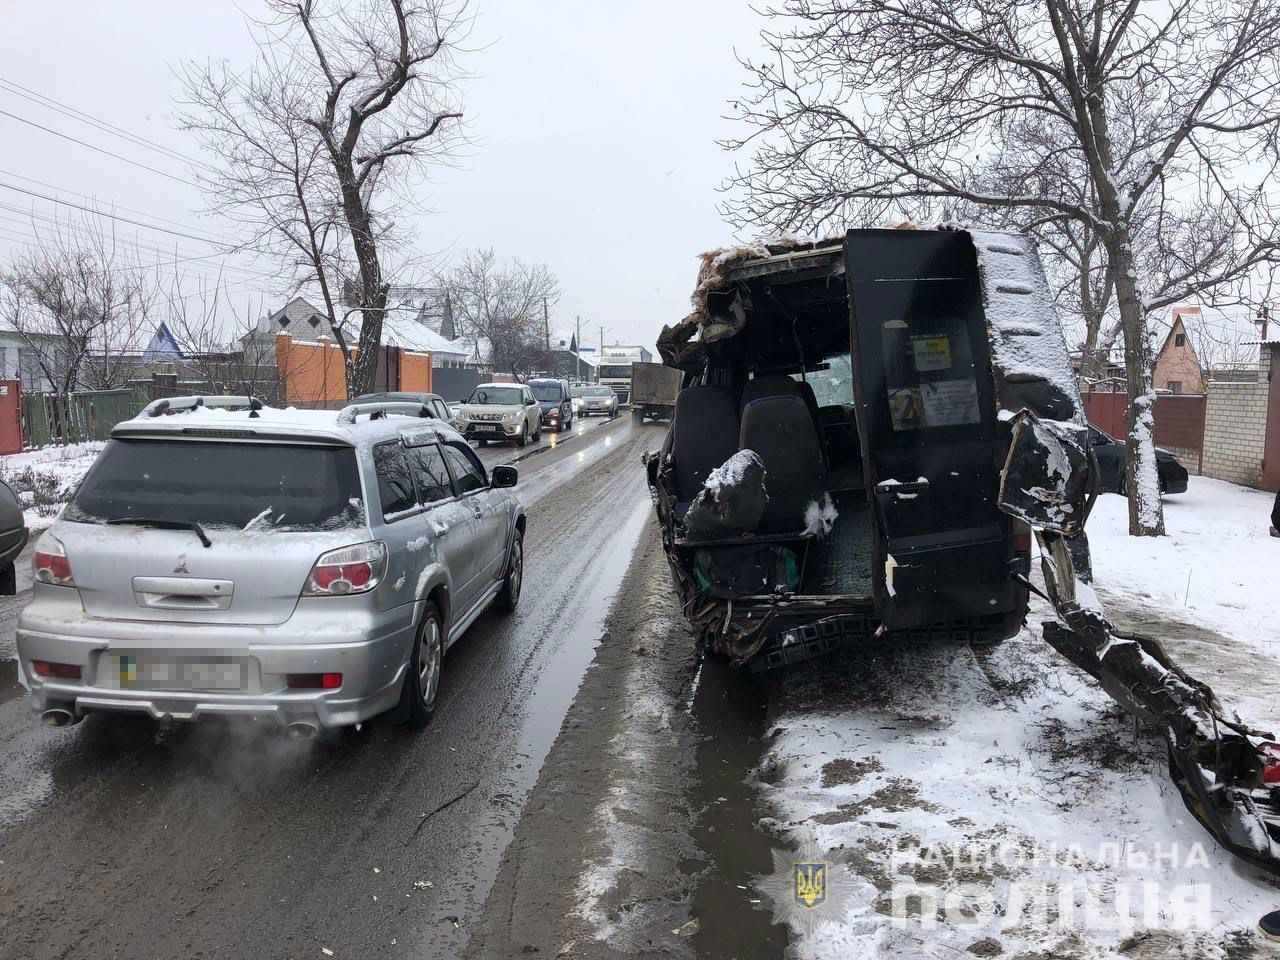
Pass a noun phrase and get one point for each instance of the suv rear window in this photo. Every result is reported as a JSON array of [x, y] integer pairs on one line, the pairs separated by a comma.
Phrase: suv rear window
[[222, 484]]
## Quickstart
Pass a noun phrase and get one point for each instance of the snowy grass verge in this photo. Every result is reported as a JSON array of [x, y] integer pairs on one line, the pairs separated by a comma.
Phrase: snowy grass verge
[[44, 480]]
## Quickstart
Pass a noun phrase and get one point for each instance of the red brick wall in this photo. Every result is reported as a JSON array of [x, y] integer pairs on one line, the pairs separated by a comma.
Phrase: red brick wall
[[415, 372], [311, 374]]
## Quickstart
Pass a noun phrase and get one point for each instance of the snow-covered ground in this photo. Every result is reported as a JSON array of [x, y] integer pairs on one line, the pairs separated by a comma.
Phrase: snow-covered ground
[[1217, 567], [997, 803], [44, 479]]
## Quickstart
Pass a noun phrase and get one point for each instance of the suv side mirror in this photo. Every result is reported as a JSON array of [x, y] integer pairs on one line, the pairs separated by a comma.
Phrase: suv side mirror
[[530, 402], [504, 475]]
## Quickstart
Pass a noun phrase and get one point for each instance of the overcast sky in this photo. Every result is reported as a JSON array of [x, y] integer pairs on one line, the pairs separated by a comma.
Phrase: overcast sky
[[596, 126]]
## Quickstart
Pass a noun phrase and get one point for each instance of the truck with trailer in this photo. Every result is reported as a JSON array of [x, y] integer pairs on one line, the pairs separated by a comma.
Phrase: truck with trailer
[[615, 368]]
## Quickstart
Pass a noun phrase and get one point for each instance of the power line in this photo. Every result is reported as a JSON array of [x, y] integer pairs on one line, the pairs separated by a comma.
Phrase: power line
[[105, 126], [85, 143], [27, 216], [164, 262], [112, 216], [114, 205]]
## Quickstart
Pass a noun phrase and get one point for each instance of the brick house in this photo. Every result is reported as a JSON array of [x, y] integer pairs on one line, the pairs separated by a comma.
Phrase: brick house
[[1177, 368]]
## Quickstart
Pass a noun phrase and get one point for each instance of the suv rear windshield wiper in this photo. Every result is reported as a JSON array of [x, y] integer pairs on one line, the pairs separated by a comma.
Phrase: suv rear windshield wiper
[[165, 524]]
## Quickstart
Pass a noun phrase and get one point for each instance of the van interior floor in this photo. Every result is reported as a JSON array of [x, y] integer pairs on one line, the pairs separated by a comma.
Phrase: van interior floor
[[840, 563]]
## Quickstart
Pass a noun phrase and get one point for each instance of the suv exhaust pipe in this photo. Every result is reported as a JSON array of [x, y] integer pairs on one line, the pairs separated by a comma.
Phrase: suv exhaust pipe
[[59, 717], [301, 730]]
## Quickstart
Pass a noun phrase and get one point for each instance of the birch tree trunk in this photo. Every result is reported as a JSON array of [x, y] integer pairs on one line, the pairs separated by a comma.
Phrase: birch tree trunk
[[1141, 480]]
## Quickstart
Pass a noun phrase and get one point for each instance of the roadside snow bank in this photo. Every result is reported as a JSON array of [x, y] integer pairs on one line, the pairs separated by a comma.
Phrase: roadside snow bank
[[994, 803]]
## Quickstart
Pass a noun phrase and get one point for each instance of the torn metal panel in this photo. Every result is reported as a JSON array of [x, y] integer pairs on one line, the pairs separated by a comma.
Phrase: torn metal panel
[[1217, 764], [1046, 477]]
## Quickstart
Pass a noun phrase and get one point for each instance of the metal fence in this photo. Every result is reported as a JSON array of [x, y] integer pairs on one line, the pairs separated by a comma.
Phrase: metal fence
[[48, 418]]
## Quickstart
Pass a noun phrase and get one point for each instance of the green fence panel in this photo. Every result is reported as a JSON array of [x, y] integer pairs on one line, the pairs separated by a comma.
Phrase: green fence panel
[[51, 419]]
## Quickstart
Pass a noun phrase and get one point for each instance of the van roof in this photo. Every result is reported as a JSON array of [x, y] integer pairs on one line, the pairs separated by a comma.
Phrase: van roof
[[213, 422]]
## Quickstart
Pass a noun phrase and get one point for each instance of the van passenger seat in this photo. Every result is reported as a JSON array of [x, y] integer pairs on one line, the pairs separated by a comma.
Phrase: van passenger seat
[[704, 434], [782, 431]]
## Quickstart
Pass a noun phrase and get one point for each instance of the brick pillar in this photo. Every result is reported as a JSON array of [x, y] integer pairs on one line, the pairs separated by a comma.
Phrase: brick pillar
[[1270, 475]]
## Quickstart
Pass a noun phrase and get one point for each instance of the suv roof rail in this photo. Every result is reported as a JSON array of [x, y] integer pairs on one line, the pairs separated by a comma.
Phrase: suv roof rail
[[169, 405], [408, 408]]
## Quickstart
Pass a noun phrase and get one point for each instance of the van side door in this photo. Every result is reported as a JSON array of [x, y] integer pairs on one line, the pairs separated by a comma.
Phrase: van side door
[[925, 405]]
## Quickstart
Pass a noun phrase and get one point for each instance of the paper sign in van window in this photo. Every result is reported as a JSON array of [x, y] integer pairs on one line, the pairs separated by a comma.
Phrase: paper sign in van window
[[931, 353], [950, 403]]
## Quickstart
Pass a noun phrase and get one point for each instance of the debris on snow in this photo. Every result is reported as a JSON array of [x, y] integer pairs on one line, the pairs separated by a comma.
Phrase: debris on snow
[[687, 929]]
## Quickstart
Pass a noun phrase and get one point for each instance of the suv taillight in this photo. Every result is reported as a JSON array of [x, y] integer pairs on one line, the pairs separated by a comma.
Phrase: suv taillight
[[355, 569], [50, 564]]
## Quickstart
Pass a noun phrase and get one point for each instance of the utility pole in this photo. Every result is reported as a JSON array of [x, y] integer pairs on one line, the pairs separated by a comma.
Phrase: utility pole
[[577, 348], [600, 358], [546, 330], [1264, 315]]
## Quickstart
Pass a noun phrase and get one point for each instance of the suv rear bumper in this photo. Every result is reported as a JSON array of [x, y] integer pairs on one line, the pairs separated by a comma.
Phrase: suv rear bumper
[[369, 650]]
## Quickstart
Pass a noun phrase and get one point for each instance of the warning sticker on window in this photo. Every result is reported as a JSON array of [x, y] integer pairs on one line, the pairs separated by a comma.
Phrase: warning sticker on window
[[931, 353], [905, 409], [950, 403]]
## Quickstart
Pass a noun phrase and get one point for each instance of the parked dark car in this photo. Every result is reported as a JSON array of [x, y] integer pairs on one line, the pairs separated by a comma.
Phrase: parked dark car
[[1110, 455], [432, 401], [555, 401], [13, 537]]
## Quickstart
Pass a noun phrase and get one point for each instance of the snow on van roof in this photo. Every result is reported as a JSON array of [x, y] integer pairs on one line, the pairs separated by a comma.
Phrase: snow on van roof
[[1028, 348]]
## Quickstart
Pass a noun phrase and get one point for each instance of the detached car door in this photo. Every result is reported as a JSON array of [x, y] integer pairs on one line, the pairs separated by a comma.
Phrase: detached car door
[[927, 421]]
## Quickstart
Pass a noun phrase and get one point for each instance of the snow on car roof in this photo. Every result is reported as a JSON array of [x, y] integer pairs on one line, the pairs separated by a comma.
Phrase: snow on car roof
[[277, 421]]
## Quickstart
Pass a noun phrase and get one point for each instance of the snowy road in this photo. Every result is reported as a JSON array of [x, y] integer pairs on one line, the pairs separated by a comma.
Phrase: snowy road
[[117, 840]]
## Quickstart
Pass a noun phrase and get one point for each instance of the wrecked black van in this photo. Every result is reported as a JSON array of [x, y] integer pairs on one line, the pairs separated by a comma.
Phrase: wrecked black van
[[870, 430], [834, 465]]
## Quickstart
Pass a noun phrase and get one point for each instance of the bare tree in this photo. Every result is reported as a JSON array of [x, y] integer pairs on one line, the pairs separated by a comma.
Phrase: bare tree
[[502, 306], [865, 107], [221, 343], [80, 301], [321, 136]]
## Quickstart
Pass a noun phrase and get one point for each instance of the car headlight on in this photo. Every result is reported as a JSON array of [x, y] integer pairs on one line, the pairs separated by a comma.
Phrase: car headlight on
[[512, 416]]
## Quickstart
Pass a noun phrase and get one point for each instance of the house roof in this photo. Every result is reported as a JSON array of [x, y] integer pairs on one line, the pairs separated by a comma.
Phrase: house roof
[[1176, 325], [299, 314], [409, 333], [164, 335]]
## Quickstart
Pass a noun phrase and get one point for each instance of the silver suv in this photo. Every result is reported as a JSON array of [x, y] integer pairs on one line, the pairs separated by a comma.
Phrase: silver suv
[[222, 557]]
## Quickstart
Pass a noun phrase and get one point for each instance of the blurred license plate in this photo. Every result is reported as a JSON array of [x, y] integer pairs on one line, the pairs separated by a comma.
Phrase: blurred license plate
[[486, 427], [183, 675]]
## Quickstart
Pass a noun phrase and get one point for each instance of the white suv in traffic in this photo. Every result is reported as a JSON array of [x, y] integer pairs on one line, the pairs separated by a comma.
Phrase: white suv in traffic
[[501, 412]]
